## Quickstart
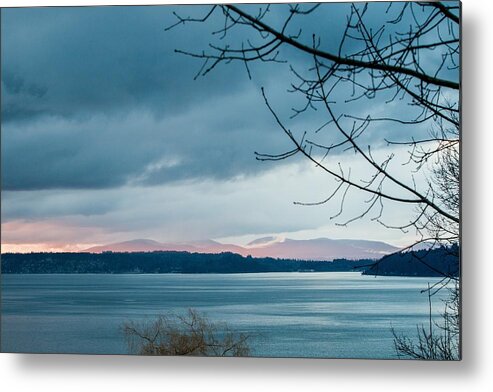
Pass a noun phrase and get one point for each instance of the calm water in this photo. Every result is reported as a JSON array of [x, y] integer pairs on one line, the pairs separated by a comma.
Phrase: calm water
[[335, 314]]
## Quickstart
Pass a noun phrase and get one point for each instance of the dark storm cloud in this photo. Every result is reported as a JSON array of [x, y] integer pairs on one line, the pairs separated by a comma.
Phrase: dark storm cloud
[[99, 59], [96, 97], [136, 147]]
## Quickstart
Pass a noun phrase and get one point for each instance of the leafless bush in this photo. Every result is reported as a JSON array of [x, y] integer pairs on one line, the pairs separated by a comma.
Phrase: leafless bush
[[190, 334]]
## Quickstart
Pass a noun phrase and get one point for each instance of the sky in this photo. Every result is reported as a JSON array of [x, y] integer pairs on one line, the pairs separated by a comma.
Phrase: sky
[[107, 136]]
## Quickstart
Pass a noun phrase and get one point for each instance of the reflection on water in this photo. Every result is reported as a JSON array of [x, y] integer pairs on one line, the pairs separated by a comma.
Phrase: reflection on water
[[334, 314]]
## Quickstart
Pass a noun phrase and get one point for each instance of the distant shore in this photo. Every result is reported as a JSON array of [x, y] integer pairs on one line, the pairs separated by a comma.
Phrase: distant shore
[[420, 263]]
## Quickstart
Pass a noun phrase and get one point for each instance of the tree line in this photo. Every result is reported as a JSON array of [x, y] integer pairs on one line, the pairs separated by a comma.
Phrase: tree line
[[432, 262]]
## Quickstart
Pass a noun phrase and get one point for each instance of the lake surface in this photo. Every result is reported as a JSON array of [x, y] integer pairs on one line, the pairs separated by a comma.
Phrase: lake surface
[[331, 315]]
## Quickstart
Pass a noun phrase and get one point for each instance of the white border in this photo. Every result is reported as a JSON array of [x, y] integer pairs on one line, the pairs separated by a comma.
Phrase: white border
[[94, 373]]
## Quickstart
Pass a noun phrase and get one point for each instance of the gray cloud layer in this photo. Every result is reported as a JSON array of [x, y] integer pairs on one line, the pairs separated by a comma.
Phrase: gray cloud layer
[[85, 89], [104, 129], [96, 97]]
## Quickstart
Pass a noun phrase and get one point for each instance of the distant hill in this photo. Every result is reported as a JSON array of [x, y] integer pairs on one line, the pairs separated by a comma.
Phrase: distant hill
[[426, 262], [323, 249], [139, 245], [144, 245]]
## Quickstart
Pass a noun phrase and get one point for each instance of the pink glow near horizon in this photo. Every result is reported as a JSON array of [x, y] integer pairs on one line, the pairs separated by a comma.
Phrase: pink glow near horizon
[[21, 236], [29, 248]]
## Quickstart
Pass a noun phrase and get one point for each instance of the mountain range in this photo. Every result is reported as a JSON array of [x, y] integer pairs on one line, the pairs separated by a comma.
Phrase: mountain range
[[312, 249]]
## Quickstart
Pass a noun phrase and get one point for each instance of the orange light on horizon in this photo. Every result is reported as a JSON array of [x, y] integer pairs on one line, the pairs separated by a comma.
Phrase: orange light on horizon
[[35, 248]]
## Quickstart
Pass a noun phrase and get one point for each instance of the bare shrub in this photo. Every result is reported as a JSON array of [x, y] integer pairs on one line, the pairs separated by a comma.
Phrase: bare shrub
[[189, 334]]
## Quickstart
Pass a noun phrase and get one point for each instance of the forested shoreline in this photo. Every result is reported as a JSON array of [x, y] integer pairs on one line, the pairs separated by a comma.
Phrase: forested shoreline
[[419, 263]]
